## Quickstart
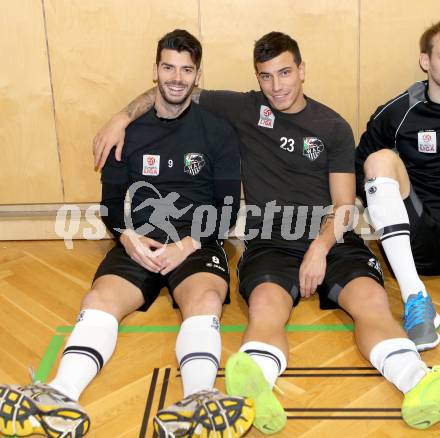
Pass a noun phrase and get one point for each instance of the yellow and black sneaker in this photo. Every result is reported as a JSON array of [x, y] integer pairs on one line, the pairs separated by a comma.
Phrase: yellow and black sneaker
[[206, 414], [40, 409]]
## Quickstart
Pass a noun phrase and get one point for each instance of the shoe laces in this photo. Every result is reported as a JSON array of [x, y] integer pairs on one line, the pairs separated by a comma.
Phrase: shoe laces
[[418, 309], [32, 374]]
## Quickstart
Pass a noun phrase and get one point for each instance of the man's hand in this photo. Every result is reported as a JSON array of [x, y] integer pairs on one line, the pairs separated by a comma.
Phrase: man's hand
[[142, 250], [173, 254], [312, 269], [111, 134]]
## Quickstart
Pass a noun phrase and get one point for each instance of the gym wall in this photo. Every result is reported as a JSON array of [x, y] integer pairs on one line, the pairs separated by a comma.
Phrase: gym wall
[[68, 65]]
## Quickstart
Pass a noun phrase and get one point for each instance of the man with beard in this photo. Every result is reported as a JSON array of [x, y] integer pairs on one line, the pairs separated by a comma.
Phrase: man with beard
[[179, 161], [299, 153], [398, 175]]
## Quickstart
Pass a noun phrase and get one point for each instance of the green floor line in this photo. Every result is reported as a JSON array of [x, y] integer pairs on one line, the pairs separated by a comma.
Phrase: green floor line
[[49, 358], [224, 328], [57, 341]]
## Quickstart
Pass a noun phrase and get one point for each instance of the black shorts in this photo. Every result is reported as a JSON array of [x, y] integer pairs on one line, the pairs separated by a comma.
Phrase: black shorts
[[424, 235], [210, 258], [264, 261]]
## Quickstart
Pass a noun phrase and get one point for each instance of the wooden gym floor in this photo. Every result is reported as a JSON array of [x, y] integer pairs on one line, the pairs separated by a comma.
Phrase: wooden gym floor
[[329, 389]]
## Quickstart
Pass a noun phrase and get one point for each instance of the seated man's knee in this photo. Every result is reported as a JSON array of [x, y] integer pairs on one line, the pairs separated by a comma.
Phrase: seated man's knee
[[208, 301], [268, 300], [379, 298], [212, 298], [381, 163], [260, 300], [97, 299], [372, 302]]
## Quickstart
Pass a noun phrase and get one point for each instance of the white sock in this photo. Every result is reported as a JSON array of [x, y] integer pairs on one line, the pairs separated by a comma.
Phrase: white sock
[[390, 219], [269, 358], [198, 350], [399, 362], [88, 349]]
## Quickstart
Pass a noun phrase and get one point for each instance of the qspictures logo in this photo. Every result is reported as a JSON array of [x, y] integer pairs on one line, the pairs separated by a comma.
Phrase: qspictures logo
[[164, 213]]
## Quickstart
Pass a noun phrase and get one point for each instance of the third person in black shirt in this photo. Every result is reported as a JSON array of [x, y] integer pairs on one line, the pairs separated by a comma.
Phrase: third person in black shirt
[[398, 175]]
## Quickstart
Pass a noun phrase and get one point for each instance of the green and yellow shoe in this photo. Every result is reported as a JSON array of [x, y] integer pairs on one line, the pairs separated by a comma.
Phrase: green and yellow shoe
[[421, 405], [245, 378]]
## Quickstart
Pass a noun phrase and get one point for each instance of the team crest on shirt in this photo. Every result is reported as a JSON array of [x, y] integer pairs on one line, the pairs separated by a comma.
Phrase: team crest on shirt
[[312, 147], [151, 165], [267, 118], [427, 141], [193, 163]]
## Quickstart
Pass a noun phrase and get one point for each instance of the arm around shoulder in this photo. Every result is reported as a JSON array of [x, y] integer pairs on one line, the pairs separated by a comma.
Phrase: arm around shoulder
[[113, 132]]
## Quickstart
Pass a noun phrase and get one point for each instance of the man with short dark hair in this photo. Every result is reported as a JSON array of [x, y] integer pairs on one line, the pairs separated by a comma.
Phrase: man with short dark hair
[[398, 176], [179, 162], [297, 159]]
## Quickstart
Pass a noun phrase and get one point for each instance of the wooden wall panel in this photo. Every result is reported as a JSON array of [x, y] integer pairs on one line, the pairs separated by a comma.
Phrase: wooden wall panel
[[29, 164], [102, 54], [358, 54], [326, 31], [389, 47]]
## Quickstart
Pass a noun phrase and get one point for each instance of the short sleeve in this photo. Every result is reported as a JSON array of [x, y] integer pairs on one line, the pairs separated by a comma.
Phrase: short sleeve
[[226, 104], [341, 153]]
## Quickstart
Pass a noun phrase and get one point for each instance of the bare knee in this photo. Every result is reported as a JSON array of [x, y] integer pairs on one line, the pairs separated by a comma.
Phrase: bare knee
[[382, 163], [260, 302], [270, 304], [369, 303], [99, 300], [208, 301]]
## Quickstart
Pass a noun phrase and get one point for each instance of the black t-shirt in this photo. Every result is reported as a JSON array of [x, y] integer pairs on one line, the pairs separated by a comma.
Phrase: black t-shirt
[[410, 124], [176, 166], [286, 158]]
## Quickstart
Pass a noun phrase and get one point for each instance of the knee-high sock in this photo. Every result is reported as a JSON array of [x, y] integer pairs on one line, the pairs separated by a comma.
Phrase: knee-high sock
[[270, 359], [198, 350], [399, 362], [390, 219], [88, 348]]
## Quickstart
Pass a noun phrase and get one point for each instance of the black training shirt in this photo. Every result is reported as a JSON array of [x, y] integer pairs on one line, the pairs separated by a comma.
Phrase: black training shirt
[[410, 124], [177, 165], [286, 158]]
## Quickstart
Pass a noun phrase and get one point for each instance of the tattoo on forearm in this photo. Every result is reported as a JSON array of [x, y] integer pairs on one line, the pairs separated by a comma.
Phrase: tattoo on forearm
[[140, 105], [326, 220], [327, 217]]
